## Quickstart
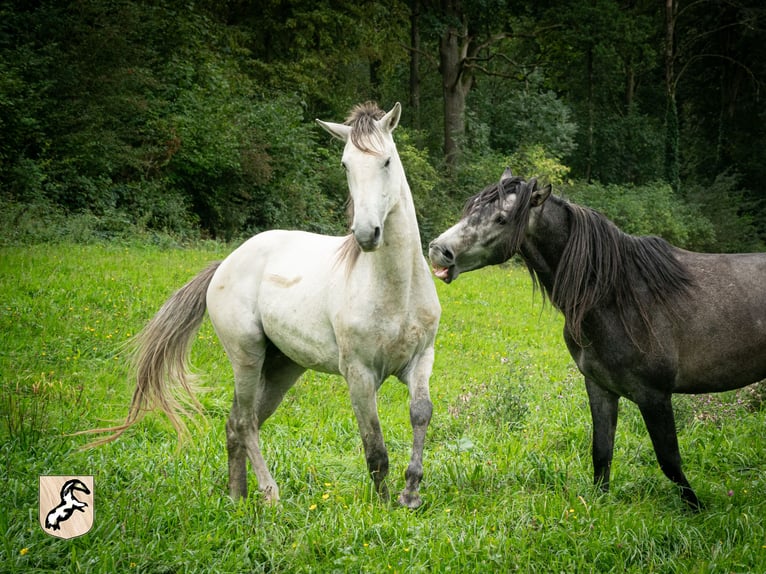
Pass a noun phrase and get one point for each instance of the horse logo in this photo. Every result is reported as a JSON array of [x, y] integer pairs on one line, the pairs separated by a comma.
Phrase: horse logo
[[66, 505]]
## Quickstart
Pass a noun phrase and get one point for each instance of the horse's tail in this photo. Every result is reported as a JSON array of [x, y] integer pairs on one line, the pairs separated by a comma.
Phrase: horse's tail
[[161, 358]]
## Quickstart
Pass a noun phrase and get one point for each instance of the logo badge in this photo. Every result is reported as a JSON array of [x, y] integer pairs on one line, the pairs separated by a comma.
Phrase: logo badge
[[66, 505]]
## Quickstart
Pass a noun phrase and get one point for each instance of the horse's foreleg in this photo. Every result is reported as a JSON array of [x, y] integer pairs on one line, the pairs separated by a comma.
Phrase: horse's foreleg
[[362, 386], [416, 379], [603, 410], [658, 416]]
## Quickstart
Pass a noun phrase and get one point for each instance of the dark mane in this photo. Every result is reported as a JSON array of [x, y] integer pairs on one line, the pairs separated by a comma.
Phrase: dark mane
[[487, 201], [488, 198], [599, 265]]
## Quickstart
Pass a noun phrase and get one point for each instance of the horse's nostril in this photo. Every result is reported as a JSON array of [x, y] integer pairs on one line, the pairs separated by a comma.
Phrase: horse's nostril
[[448, 254], [377, 234]]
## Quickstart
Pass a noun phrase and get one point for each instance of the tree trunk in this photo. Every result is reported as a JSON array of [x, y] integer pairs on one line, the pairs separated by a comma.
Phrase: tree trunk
[[415, 62], [672, 161], [591, 117], [453, 50], [630, 86]]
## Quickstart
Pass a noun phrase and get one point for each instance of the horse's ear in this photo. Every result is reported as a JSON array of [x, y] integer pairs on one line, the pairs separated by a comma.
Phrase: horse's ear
[[507, 174], [340, 131], [391, 119], [540, 195]]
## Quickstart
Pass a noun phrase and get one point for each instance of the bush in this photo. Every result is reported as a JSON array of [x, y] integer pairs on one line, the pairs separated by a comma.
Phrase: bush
[[435, 208], [627, 148], [41, 221], [652, 209], [480, 170], [725, 204], [528, 114]]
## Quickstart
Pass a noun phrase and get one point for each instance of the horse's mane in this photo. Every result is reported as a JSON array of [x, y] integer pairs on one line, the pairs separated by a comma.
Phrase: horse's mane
[[365, 133], [600, 264], [366, 136]]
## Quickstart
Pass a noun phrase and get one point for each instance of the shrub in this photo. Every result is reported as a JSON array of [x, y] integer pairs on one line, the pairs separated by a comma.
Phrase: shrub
[[652, 209], [434, 206], [725, 204], [480, 170]]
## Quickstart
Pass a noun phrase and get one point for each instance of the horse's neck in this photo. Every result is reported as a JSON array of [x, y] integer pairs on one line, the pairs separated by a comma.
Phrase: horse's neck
[[544, 270], [402, 236], [544, 245], [399, 260]]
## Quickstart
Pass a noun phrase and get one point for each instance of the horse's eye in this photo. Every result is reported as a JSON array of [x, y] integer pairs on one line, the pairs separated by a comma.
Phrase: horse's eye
[[501, 220], [344, 166], [388, 162]]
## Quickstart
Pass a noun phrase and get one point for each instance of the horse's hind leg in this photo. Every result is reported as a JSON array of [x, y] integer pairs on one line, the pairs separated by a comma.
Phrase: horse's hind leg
[[658, 416], [603, 410], [242, 427], [237, 452], [258, 392]]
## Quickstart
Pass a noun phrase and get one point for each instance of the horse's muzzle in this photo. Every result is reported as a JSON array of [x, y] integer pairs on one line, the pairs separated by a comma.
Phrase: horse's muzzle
[[442, 262], [370, 239]]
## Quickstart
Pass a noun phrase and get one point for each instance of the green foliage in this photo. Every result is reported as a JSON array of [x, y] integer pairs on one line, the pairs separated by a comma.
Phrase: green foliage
[[173, 134], [628, 149], [672, 162], [730, 211], [334, 54], [253, 173], [651, 209], [529, 114], [535, 161], [434, 206], [38, 221], [195, 119], [480, 170], [507, 478]]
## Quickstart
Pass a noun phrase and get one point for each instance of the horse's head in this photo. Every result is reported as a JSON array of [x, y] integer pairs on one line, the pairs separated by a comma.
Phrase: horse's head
[[373, 169], [491, 229]]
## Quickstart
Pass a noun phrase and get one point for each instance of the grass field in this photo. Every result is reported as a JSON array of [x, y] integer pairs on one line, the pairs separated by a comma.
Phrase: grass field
[[507, 483]]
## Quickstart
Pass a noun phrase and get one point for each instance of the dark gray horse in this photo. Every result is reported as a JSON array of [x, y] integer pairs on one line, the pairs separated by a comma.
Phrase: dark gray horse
[[643, 319]]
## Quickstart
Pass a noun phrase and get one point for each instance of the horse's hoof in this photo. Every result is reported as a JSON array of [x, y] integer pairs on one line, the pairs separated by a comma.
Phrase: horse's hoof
[[694, 505], [271, 495], [411, 501], [237, 497], [382, 490]]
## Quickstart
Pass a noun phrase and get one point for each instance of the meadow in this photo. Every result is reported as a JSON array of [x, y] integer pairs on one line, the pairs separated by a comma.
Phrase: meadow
[[507, 483]]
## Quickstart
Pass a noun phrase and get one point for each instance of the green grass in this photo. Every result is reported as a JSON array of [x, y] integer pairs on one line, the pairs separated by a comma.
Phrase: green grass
[[507, 467]]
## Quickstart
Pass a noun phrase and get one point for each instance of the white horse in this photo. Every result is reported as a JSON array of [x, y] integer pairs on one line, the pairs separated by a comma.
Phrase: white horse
[[363, 306]]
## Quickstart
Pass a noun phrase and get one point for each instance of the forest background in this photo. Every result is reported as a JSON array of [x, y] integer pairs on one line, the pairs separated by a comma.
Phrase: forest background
[[185, 120]]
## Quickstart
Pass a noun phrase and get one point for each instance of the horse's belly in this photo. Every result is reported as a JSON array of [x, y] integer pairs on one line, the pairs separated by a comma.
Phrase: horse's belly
[[300, 328], [724, 370], [309, 353]]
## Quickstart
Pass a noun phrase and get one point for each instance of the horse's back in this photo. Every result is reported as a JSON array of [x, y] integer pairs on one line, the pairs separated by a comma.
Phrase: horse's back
[[721, 331]]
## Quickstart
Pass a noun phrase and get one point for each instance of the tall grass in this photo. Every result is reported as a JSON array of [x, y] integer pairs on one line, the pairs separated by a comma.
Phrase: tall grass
[[507, 468]]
